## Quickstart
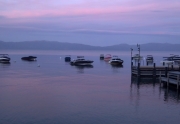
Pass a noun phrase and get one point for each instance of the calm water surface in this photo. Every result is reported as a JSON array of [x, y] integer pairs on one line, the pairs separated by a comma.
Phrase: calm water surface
[[58, 93]]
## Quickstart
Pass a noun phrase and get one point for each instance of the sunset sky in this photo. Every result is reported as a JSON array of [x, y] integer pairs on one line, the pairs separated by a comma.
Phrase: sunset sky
[[93, 22]]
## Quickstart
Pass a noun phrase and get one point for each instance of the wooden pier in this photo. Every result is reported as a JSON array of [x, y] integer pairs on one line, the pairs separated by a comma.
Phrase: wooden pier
[[170, 75], [152, 71]]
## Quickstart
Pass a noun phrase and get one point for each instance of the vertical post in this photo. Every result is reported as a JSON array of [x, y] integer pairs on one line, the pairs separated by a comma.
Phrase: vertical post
[[154, 70], [165, 71], [146, 63], [138, 69], [172, 67], [131, 64], [131, 58], [163, 63], [138, 45], [168, 80], [178, 82], [160, 78]]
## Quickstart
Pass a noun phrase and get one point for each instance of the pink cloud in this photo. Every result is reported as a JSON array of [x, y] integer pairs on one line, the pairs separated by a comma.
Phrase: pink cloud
[[85, 9]]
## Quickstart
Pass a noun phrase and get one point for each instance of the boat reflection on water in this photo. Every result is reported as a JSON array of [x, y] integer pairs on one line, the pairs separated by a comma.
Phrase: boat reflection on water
[[116, 66], [5, 63], [81, 68]]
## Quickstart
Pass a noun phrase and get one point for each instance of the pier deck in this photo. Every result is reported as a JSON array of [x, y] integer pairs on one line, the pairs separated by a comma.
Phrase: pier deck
[[152, 71]]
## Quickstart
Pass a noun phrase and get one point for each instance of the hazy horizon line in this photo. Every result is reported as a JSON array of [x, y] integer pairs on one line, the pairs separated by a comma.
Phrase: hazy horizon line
[[90, 45]]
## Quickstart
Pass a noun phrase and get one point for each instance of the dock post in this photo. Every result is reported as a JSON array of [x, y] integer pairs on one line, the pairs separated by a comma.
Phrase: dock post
[[160, 78], [131, 65], [168, 80], [138, 69], [147, 63], [165, 71], [154, 70], [172, 67], [178, 82], [163, 63], [131, 68]]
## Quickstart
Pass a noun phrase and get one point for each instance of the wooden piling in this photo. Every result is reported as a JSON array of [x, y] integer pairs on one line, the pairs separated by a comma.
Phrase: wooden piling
[[131, 65], [178, 82], [138, 69], [165, 71], [154, 70]]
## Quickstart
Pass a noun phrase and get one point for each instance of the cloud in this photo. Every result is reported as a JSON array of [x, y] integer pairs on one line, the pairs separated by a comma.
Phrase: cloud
[[32, 8], [147, 17]]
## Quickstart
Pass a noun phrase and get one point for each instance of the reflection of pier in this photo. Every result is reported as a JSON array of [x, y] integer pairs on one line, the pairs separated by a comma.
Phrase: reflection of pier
[[140, 86]]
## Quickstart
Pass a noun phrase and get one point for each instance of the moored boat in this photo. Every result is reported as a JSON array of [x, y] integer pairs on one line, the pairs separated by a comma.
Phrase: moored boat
[[29, 58], [67, 58], [116, 61], [137, 57], [102, 56], [107, 57], [149, 58], [167, 62], [80, 61], [4, 58], [172, 57]]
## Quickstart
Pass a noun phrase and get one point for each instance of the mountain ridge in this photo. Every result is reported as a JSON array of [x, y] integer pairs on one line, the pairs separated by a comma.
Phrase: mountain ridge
[[55, 45]]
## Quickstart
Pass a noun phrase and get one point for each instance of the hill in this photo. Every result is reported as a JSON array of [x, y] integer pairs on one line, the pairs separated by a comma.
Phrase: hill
[[54, 45]]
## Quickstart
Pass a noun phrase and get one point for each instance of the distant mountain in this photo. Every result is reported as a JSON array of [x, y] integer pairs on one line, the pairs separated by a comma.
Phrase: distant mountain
[[54, 45]]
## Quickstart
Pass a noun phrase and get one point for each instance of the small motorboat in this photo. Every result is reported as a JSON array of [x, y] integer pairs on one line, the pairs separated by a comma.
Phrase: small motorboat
[[137, 57], [116, 61], [102, 56], [172, 57], [67, 58], [107, 57], [167, 62], [80, 61], [149, 58], [29, 58], [4, 58]]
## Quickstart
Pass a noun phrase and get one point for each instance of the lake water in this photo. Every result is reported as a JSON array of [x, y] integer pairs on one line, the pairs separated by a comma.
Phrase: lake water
[[58, 93]]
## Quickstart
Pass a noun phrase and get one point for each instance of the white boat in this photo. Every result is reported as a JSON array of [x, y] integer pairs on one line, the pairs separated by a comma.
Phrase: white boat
[[116, 61], [81, 61], [4, 58], [167, 62], [149, 58], [137, 57], [172, 57]]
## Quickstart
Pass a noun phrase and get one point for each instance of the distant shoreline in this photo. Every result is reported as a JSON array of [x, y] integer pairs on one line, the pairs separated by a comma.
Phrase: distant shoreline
[[54, 45]]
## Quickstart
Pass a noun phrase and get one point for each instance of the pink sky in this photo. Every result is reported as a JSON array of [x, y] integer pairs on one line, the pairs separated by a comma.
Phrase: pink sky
[[125, 16]]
